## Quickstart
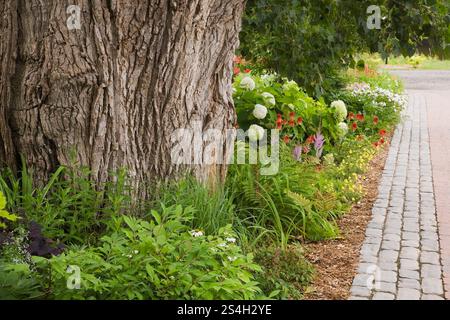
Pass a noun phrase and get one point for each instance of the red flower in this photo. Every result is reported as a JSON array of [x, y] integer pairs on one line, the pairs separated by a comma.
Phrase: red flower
[[382, 132], [247, 70], [351, 116], [382, 141], [375, 120], [310, 139], [376, 144], [237, 59], [236, 71], [279, 122], [306, 149], [354, 126], [299, 120], [360, 117], [286, 139], [292, 119]]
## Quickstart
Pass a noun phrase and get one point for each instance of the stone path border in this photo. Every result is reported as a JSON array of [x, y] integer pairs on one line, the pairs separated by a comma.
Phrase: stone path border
[[400, 258]]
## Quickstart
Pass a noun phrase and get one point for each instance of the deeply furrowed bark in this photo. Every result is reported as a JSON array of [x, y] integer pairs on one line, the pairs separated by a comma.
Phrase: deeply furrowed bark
[[112, 93]]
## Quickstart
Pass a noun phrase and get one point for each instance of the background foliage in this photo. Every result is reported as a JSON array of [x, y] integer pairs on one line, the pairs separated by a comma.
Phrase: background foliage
[[311, 40]]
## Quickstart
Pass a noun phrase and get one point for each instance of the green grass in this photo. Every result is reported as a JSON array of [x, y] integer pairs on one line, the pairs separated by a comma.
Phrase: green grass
[[425, 63]]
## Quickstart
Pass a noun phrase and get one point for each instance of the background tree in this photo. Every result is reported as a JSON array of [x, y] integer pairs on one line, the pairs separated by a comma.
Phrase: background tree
[[410, 27], [116, 89], [310, 41]]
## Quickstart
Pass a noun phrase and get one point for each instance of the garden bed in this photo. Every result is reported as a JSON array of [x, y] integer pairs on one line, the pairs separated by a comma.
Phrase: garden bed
[[336, 261]]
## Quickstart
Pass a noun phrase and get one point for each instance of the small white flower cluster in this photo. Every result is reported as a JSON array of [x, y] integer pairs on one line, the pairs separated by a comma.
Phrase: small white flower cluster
[[196, 233], [363, 89], [135, 252], [231, 240], [343, 129]]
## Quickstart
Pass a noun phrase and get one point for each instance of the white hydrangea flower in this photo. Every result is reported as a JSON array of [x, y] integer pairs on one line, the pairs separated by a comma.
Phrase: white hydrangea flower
[[343, 128], [268, 79], [248, 84], [255, 132], [341, 109], [290, 85], [269, 98], [260, 111]]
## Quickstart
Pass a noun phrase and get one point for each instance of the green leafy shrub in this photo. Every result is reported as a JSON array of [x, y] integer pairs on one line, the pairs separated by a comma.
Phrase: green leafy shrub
[[289, 204], [286, 273], [158, 259], [265, 101], [70, 207], [18, 281]]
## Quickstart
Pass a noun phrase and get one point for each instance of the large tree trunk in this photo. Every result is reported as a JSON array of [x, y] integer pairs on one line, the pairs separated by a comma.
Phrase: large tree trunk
[[112, 93]]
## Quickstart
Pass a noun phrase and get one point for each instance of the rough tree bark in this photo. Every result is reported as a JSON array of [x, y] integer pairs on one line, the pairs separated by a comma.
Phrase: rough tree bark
[[113, 91]]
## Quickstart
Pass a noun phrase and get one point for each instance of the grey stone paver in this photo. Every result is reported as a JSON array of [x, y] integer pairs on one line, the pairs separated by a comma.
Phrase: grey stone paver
[[400, 258]]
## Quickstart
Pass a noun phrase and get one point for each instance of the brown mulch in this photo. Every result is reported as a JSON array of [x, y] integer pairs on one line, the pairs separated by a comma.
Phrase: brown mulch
[[336, 261]]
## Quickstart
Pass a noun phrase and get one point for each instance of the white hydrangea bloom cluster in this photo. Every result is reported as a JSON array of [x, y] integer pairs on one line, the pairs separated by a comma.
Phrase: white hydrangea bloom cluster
[[340, 108], [255, 132], [377, 94], [260, 111]]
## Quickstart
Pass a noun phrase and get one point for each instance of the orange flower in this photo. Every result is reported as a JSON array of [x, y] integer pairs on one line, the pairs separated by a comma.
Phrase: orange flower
[[375, 120], [286, 139], [236, 71], [310, 140], [247, 70], [351, 116], [376, 144], [292, 123], [354, 126], [299, 120], [360, 117]]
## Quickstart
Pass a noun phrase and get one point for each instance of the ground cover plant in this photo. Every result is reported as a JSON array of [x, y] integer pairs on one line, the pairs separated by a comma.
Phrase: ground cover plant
[[240, 241]]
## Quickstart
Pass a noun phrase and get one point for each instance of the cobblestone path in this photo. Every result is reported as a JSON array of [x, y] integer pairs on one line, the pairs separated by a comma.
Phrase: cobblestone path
[[406, 254]]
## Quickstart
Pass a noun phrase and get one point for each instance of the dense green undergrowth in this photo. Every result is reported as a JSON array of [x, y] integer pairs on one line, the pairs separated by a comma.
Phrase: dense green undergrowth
[[74, 239]]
